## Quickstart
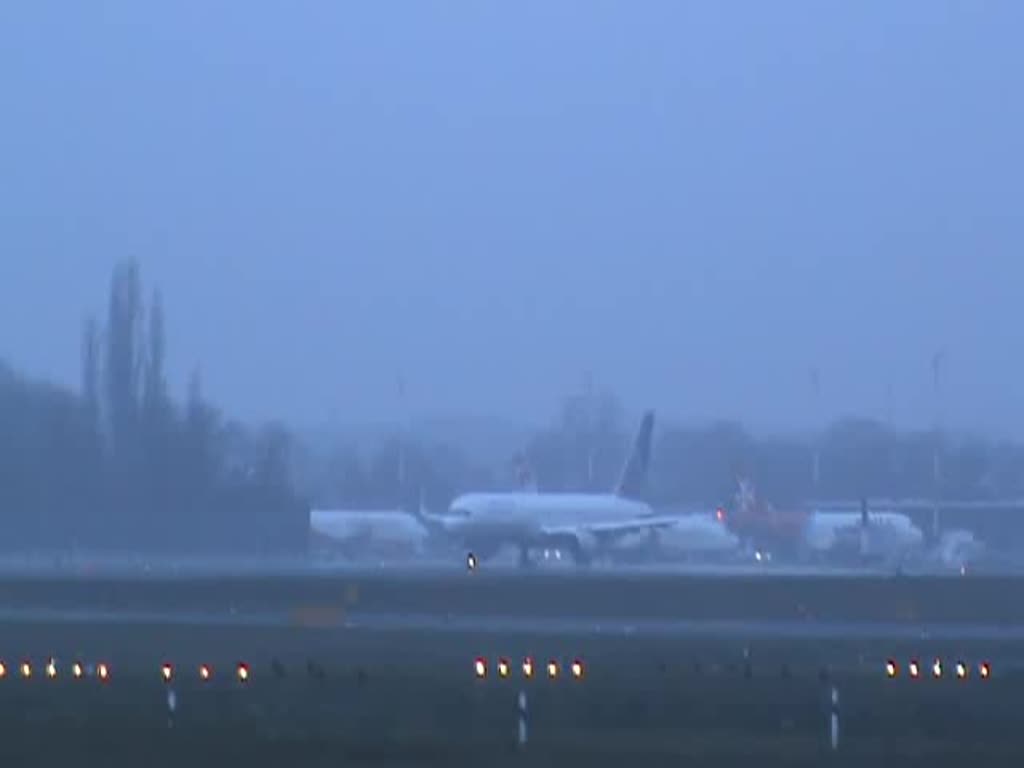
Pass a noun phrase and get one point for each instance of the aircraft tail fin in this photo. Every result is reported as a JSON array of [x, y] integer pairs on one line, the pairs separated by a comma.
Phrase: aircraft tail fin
[[633, 482], [525, 478], [865, 531], [746, 499]]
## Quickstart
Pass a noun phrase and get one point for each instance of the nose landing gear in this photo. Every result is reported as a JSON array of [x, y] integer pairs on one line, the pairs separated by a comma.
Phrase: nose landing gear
[[524, 558]]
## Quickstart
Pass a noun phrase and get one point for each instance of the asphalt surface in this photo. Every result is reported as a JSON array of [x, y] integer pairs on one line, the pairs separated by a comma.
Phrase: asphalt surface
[[136, 566], [330, 598], [122, 564]]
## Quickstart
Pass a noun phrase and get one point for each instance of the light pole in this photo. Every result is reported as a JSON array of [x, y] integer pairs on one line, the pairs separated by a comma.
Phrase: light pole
[[891, 467], [888, 406], [588, 386], [816, 438], [400, 390], [938, 365]]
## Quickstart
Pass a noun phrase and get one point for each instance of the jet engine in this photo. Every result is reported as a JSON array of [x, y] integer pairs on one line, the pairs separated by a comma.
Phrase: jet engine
[[582, 546]]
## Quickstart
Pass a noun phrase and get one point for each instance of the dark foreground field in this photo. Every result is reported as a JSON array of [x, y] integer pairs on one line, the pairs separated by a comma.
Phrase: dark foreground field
[[401, 719], [322, 697]]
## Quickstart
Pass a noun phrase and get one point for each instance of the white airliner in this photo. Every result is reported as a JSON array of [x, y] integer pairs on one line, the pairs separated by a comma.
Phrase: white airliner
[[358, 534], [888, 536], [824, 535], [581, 524], [959, 550]]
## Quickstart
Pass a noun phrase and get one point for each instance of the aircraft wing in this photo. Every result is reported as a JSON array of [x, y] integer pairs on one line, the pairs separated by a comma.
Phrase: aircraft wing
[[613, 528]]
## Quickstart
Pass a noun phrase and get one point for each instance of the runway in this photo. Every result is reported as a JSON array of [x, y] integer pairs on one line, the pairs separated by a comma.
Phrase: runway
[[600, 595], [573, 626], [144, 567], [61, 566]]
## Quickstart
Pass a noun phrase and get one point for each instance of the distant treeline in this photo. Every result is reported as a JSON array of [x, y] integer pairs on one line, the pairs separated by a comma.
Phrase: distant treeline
[[584, 448], [120, 466]]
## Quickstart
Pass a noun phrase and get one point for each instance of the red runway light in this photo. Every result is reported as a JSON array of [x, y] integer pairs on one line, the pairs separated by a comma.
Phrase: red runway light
[[480, 667], [984, 670], [914, 669]]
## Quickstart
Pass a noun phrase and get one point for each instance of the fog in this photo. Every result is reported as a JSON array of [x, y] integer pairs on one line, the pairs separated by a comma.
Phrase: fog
[[696, 203]]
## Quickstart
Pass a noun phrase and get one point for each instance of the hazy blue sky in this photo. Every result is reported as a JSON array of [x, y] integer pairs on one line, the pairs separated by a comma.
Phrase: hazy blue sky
[[697, 201]]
